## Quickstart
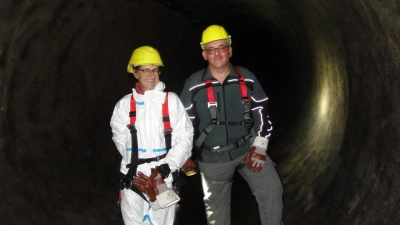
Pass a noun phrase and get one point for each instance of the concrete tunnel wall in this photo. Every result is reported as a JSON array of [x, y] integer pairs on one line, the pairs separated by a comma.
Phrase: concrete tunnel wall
[[330, 68]]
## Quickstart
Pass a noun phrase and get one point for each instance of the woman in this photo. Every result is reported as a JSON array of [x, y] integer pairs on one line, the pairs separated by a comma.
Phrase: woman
[[148, 146]]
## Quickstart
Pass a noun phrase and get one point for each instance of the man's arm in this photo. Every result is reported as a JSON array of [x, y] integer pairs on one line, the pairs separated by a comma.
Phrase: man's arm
[[257, 155], [262, 124]]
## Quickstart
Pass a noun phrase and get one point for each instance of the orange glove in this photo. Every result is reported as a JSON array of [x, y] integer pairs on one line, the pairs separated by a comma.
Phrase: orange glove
[[157, 181], [144, 184], [255, 159], [165, 196], [258, 153]]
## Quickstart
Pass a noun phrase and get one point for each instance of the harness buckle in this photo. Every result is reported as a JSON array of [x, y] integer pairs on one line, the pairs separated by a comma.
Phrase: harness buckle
[[241, 142], [212, 104], [213, 149], [131, 126]]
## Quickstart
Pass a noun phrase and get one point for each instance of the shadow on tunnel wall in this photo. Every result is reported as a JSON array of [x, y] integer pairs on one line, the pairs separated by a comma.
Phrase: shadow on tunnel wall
[[330, 69]]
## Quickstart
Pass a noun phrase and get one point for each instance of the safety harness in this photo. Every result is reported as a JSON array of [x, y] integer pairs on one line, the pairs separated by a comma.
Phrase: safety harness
[[212, 105], [135, 161]]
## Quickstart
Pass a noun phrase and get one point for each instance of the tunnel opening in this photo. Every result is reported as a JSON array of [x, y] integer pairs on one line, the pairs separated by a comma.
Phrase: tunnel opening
[[258, 44], [329, 69]]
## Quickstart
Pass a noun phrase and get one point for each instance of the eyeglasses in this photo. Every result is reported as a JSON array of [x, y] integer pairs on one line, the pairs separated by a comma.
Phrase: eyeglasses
[[147, 72], [221, 49]]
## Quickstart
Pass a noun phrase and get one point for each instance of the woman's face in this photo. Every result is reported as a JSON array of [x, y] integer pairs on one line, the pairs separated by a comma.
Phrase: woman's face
[[148, 76]]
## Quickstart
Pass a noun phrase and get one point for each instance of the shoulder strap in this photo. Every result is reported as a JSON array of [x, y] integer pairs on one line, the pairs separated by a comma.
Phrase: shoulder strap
[[131, 126], [134, 153], [243, 88], [212, 106], [165, 113], [132, 113], [246, 101], [167, 123]]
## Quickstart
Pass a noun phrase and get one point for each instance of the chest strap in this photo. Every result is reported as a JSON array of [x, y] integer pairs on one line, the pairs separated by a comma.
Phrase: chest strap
[[212, 106]]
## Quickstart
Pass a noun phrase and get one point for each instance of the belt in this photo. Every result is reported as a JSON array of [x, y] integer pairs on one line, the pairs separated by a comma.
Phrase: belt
[[237, 144], [148, 160], [154, 159]]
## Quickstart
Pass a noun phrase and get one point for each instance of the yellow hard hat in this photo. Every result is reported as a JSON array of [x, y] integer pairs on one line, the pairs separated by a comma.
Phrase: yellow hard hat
[[145, 55], [213, 33]]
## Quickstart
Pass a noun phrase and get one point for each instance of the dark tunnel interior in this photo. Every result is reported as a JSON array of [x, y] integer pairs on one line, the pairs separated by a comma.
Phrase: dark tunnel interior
[[329, 68]]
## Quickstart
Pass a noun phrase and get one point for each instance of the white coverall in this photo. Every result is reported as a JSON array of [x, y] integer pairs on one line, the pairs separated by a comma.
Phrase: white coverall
[[151, 143]]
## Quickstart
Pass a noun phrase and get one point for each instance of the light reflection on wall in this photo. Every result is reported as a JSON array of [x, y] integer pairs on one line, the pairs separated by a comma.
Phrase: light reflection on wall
[[318, 138]]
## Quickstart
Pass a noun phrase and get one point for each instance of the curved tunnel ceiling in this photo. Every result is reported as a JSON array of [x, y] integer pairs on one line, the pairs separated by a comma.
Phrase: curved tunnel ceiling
[[330, 69]]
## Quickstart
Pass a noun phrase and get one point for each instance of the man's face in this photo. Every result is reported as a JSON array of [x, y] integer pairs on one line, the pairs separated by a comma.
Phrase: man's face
[[218, 59], [147, 82]]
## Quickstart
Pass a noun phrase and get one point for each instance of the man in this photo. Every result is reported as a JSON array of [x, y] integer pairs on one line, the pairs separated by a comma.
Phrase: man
[[228, 108]]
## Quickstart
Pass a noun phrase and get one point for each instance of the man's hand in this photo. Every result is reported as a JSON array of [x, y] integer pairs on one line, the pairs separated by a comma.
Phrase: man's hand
[[256, 157], [189, 167]]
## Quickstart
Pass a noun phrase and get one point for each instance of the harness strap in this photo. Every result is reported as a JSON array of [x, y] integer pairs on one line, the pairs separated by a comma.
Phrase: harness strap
[[210, 92], [135, 161], [167, 124], [154, 159], [203, 135], [131, 126], [212, 105], [132, 112], [229, 123], [243, 88], [237, 144], [246, 101]]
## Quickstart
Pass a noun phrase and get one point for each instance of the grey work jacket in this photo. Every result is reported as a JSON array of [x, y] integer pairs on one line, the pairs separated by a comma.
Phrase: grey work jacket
[[229, 108]]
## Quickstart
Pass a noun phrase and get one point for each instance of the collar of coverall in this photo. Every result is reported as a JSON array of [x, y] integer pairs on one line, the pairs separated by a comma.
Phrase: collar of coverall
[[139, 89], [160, 86], [207, 74]]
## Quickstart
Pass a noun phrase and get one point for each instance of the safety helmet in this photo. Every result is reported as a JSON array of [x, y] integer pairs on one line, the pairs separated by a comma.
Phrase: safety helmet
[[145, 55], [213, 33]]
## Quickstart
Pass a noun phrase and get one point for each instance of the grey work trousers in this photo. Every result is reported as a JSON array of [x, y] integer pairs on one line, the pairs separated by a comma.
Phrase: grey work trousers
[[217, 184]]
